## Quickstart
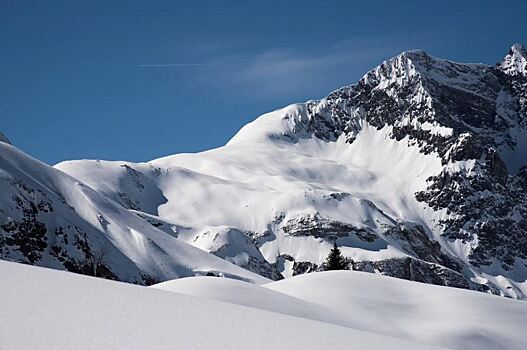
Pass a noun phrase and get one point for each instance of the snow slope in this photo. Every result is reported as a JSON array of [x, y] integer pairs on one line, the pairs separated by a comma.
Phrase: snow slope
[[446, 317], [251, 295], [49, 309], [260, 187], [449, 317], [50, 219]]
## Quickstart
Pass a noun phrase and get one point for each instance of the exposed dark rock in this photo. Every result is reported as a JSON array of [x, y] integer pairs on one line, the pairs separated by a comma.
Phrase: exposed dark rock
[[419, 271], [316, 226]]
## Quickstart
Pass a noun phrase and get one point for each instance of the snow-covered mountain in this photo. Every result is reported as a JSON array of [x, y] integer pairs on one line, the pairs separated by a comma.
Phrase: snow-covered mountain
[[416, 171], [50, 219]]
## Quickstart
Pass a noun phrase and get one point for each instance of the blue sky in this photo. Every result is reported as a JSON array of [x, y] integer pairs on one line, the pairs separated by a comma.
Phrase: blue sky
[[80, 79]]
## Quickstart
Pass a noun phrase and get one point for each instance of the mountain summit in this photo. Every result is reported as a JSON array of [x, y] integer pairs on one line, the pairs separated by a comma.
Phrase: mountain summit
[[515, 62], [417, 171]]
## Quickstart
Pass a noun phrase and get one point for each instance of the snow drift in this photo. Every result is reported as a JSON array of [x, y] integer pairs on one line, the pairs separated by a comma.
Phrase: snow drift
[[49, 309]]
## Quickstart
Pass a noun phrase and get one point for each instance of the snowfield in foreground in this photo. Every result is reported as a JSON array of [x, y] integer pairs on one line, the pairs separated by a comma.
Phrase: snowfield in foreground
[[50, 309], [447, 317]]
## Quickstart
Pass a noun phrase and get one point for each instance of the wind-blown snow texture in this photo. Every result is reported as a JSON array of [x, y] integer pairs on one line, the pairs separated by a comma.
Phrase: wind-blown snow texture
[[416, 171]]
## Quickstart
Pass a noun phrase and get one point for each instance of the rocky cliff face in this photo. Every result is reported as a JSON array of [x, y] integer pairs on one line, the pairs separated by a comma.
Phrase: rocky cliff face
[[469, 116]]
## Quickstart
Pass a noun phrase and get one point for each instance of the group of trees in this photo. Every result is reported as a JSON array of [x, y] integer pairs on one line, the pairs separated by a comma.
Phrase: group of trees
[[336, 261]]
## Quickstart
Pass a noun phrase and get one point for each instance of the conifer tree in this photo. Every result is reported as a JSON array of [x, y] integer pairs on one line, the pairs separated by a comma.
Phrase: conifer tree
[[335, 260]]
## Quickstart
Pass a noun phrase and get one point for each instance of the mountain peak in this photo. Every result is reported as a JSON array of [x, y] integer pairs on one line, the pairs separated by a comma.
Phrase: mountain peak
[[414, 53], [4, 139], [518, 48], [515, 62], [399, 69]]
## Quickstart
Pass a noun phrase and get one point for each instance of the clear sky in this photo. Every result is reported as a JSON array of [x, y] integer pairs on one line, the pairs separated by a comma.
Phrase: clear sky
[[85, 79]]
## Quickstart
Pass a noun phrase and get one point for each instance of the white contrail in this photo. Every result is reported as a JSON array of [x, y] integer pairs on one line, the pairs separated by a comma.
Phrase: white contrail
[[189, 64]]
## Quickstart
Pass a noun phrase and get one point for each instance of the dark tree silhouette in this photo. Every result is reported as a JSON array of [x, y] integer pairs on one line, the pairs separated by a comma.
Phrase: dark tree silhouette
[[335, 260]]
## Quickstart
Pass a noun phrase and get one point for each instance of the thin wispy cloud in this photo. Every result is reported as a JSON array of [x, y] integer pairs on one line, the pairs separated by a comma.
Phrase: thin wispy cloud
[[296, 73], [289, 71]]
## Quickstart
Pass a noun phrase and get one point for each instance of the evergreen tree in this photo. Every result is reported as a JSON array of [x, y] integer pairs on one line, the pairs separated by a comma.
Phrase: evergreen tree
[[335, 260]]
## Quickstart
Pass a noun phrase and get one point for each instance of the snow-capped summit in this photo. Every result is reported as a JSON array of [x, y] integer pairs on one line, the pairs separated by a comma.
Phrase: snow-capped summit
[[397, 70], [515, 62]]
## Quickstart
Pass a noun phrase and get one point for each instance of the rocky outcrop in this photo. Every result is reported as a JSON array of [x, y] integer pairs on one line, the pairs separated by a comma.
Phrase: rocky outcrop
[[34, 236], [419, 271], [4, 138]]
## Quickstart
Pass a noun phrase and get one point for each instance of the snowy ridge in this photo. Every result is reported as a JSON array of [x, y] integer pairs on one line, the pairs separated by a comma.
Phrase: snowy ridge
[[51, 219]]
